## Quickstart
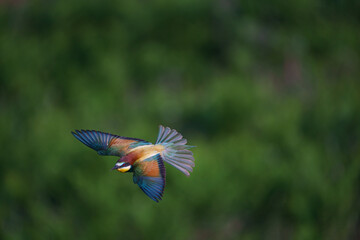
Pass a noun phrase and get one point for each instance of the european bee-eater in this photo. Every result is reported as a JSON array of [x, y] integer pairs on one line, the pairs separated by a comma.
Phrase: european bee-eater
[[144, 159]]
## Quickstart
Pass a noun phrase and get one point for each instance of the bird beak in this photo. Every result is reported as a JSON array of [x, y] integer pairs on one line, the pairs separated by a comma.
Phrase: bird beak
[[115, 167]]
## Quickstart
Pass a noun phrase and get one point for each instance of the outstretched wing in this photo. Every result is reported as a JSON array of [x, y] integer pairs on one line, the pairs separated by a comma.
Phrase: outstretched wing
[[106, 143], [150, 174]]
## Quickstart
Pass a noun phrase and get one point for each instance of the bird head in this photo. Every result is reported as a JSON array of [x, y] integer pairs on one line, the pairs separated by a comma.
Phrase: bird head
[[123, 167]]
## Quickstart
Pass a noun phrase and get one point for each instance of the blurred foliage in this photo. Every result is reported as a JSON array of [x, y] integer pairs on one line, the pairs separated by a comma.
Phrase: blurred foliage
[[268, 91]]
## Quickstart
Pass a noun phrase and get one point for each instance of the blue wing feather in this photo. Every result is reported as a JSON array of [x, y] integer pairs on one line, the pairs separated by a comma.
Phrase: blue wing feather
[[92, 139], [101, 142], [152, 186]]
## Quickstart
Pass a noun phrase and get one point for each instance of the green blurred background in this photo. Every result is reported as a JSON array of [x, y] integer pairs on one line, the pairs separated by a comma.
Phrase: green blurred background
[[268, 91]]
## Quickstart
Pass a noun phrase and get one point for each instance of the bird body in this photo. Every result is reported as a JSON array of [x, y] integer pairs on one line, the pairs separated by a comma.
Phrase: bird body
[[144, 159], [142, 152]]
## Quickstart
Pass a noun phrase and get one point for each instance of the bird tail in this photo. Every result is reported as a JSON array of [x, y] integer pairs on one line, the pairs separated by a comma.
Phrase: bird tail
[[176, 152]]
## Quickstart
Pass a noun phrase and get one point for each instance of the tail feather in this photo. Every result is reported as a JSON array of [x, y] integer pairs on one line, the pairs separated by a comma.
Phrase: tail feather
[[176, 151]]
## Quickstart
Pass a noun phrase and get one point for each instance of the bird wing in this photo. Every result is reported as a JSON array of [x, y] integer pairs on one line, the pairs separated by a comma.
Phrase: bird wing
[[150, 174], [106, 143]]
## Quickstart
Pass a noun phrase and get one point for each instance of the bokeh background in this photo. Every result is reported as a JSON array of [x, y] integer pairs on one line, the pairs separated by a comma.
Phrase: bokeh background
[[268, 91]]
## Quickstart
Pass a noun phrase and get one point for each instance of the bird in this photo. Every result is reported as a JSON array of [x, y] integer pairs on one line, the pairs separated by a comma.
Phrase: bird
[[142, 158]]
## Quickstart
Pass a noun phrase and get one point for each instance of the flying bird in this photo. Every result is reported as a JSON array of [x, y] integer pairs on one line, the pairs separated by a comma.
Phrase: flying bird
[[144, 159]]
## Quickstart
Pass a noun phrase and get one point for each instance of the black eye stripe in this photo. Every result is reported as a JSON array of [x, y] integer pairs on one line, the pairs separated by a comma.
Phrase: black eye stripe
[[123, 165]]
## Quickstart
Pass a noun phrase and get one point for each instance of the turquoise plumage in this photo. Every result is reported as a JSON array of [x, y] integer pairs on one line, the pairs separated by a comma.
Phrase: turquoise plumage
[[144, 159]]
